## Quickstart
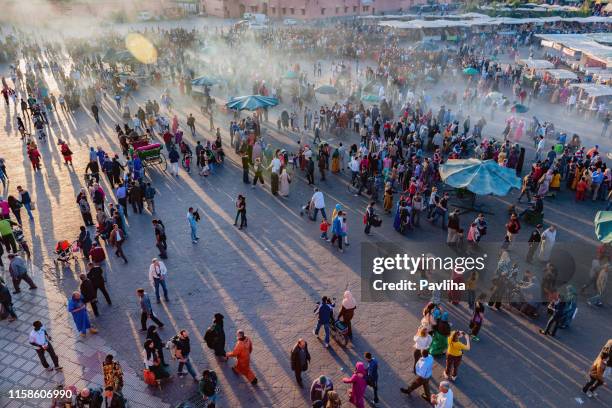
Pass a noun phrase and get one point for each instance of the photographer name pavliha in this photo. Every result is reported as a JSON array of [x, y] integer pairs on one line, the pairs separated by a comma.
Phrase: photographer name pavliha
[[422, 284]]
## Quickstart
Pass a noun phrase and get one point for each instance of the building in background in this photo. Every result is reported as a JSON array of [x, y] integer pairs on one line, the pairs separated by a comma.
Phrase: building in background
[[305, 9]]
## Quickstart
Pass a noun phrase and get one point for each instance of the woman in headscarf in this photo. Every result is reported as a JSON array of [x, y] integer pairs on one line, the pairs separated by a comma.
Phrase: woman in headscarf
[[518, 133], [549, 236], [175, 124], [439, 341], [388, 200], [347, 310], [359, 384], [544, 183], [219, 339], [285, 179], [78, 309], [335, 165]]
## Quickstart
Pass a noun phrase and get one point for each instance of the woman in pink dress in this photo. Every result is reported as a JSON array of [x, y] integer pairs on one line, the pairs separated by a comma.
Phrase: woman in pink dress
[[175, 124], [359, 384], [518, 133]]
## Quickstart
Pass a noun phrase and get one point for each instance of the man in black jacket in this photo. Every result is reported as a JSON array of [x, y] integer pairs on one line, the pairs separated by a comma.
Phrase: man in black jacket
[[534, 241], [89, 293], [300, 357], [558, 307], [95, 112], [89, 398], [7, 301], [310, 171], [96, 276], [116, 170]]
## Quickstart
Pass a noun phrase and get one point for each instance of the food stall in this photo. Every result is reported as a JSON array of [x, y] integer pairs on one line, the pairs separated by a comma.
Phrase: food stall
[[594, 99]]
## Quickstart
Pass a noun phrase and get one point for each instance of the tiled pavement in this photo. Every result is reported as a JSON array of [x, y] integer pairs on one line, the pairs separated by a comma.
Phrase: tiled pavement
[[81, 359], [265, 280]]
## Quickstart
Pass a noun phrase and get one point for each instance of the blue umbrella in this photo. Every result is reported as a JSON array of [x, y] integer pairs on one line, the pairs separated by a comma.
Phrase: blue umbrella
[[326, 90], [205, 81], [480, 177], [519, 108], [603, 226], [291, 75], [470, 71], [251, 102]]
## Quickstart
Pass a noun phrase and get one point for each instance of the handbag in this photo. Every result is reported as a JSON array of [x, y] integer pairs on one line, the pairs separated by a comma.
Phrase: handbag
[[32, 206], [149, 377]]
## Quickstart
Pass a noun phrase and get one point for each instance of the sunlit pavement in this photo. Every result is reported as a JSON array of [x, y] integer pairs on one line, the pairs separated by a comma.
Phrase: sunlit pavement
[[265, 280]]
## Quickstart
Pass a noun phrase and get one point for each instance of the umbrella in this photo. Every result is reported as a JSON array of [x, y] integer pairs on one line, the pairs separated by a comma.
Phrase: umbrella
[[251, 102], [370, 98], [603, 226], [205, 81], [470, 71], [518, 108], [290, 75], [479, 177], [119, 56], [326, 90], [495, 95]]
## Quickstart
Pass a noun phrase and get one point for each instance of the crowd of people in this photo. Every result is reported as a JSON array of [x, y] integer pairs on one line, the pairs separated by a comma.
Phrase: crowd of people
[[401, 140]]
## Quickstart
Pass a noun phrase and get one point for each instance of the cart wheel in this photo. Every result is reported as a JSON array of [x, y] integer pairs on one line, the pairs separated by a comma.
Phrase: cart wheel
[[340, 338], [163, 164]]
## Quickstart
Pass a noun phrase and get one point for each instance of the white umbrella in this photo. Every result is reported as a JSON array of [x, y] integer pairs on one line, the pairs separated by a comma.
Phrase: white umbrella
[[495, 95]]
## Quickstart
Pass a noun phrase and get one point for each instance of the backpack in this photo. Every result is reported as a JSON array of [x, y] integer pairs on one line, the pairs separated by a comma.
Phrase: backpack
[[210, 337], [209, 387], [171, 346]]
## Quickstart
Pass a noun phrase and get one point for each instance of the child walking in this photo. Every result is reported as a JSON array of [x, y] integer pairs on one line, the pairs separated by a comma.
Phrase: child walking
[[324, 227]]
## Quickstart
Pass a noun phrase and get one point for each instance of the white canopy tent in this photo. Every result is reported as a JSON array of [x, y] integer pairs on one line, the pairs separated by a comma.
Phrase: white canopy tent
[[562, 74], [536, 63], [595, 90]]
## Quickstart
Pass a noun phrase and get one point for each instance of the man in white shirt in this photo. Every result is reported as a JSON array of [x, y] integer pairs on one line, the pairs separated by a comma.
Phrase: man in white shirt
[[40, 339], [157, 276], [275, 166], [319, 204], [443, 399], [354, 165]]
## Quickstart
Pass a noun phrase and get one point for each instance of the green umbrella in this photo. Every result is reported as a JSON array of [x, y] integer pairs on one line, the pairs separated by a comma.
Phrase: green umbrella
[[519, 108], [326, 90], [470, 71], [290, 75], [603, 226]]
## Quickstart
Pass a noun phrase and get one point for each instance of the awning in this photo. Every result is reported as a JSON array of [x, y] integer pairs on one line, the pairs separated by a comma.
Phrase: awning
[[595, 90], [536, 63], [562, 74]]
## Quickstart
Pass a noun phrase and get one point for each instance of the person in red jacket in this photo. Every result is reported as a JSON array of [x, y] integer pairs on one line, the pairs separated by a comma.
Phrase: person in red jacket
[[581, 189], [512, 228], [242, 352]]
